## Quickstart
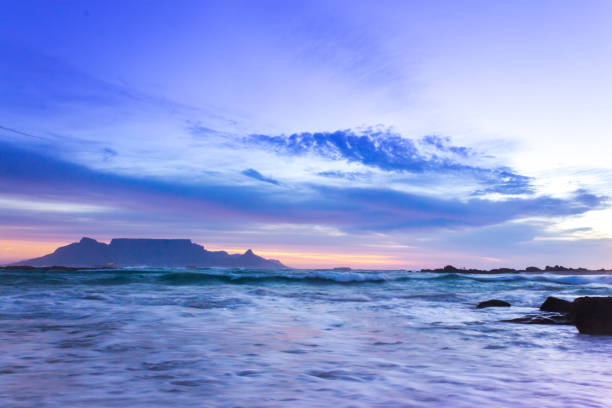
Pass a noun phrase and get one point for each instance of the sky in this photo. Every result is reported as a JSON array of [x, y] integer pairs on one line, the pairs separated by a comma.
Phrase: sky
[[387, 134]]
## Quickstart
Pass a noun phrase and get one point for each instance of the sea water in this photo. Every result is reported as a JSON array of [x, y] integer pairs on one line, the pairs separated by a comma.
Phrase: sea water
[[296, 338]]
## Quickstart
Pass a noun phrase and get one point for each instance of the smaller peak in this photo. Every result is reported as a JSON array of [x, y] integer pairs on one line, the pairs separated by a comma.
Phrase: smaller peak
[[87, 240], [249, 252]]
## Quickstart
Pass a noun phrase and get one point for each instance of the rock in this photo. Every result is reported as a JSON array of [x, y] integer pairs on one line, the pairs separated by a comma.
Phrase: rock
[[492, 303], [553, 304], [593, 315], [542, 318], [558, 311], [532, 269]]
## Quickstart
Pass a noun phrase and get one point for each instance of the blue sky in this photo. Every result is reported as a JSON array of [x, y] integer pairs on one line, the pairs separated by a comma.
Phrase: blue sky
[[377, 134]]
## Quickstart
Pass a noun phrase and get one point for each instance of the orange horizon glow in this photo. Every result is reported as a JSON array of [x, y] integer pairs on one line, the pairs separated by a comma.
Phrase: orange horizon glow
[[294, 256], [17, 250], [310, 259]]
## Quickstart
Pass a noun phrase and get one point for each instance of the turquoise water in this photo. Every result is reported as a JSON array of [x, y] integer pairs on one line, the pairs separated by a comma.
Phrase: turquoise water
[[244, 338]]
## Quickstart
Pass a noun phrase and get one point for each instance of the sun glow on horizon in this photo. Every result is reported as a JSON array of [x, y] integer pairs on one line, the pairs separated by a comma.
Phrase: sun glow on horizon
[[318, 259], [18, 250]]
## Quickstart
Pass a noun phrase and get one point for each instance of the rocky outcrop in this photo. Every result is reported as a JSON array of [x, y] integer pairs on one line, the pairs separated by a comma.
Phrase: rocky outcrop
[[590, 315], [553, 304], [493, 303], [150, 252], [554, 311], [593, 315]]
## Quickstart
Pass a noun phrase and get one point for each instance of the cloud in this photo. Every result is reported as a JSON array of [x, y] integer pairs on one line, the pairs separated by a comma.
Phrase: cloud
[[383, 150], [116, 118], [154, 202], [589, 199], [443, 144], [254, 174], [108, 154], [504, 181], [380, 209], [390, 152], [353, 175]]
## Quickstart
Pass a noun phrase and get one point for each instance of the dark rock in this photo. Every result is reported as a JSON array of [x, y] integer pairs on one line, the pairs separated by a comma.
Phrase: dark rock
[[492, 303], [593, 315], [542, 318], [530, 269], [553, 304], [503, 270]]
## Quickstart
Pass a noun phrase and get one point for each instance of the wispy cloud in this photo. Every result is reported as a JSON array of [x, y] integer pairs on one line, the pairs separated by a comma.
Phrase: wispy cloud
[[347, 208], [254, 174], [8, 203]]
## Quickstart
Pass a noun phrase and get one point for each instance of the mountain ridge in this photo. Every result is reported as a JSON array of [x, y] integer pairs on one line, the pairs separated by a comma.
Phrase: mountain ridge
[[124, 252]]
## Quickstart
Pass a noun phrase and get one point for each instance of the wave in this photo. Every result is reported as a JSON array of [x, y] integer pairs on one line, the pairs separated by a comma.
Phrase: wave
[[364, 277], [244, 277], [181, 276], [550, 278]]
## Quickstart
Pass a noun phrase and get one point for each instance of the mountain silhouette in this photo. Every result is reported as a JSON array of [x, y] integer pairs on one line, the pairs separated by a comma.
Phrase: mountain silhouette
[[146, 252]]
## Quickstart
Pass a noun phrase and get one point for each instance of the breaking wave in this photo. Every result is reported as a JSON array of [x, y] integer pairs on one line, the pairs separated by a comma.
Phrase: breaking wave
[[170, 276]]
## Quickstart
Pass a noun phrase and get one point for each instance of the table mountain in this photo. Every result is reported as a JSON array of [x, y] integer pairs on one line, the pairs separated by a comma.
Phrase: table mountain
[[147, 252]]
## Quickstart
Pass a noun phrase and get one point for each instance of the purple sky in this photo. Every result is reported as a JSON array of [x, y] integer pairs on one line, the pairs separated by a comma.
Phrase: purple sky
[[380, 134]]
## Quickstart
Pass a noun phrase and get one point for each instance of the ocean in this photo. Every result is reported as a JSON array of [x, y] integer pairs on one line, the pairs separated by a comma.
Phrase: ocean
[[262, 338]]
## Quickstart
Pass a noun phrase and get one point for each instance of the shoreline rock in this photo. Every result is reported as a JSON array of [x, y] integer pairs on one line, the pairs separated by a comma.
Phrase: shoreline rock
[[493, 303], [590, 315], [593, 315], [554, 304]]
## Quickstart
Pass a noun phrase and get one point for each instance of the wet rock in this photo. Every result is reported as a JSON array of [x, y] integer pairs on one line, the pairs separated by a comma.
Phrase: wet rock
[[593, 315], [492, 303], [553, 304], [543, 318]]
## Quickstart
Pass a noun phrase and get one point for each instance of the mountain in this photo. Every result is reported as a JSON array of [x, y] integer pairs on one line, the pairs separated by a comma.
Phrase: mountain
[[150, 252]]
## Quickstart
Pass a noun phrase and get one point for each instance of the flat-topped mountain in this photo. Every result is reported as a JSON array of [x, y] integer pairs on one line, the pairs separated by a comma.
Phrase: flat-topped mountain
[[150, 252]]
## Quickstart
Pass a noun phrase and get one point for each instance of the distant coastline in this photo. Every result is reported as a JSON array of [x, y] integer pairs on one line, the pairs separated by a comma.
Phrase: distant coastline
[[447, 269], [183, 253], [135, 252], [557, 269]]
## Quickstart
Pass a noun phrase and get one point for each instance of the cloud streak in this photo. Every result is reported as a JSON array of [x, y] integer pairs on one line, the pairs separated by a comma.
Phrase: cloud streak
[[37, 177], [254, 174]]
